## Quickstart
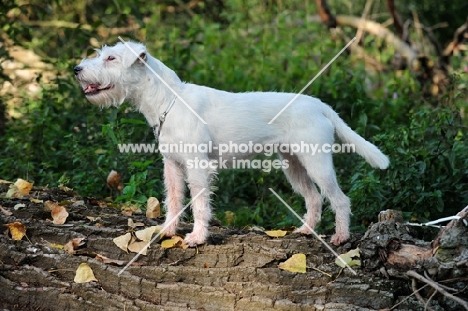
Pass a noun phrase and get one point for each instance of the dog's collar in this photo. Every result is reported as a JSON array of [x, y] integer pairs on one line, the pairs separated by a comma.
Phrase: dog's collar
[[162, 118]]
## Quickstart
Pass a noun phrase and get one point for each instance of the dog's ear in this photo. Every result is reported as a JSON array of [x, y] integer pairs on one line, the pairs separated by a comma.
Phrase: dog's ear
[[130, 56]]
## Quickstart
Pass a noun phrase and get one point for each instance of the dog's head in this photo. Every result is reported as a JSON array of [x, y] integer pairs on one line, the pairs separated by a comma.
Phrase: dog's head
[[110, 77]]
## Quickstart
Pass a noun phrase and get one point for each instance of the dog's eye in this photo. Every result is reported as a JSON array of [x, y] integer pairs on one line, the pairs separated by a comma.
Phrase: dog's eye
[[110, 57]]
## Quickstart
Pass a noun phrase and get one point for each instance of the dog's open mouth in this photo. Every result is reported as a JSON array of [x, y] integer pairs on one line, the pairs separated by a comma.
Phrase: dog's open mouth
[[95, 88]]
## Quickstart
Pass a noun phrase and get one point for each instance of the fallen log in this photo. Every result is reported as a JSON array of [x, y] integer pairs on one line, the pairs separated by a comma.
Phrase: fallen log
[[238, 269]]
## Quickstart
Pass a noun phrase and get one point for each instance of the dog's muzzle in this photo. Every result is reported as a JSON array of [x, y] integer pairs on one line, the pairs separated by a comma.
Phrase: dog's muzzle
[[91, 88], [77, 70]]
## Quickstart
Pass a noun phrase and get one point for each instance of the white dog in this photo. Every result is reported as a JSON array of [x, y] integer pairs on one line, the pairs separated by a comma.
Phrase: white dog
[[202, 115]]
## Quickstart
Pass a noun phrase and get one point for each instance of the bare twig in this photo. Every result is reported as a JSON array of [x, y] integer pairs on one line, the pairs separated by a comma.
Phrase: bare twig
[[459, 36], [418, 295], [413, 293], [417, 26], [436, 286], [323, 272], [396, 19], [448, 288], [426, 306], [363, 18], [454, 280]]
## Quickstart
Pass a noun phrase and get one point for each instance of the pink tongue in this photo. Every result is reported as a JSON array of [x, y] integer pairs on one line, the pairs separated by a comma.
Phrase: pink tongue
[[90, 87]]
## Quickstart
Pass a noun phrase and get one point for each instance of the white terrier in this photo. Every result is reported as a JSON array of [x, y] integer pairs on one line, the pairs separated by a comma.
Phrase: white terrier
[[128, 72]]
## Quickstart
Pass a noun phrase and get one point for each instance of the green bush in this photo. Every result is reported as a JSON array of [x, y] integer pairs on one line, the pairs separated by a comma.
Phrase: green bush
[[250, 46]]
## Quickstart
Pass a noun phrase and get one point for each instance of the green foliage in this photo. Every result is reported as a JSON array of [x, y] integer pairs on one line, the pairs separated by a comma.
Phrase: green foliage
[[248, 45], [442, 16], [428, 174]]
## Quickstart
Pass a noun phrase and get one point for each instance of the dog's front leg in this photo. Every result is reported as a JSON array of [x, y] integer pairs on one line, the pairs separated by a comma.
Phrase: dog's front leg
[[199, 184], [174, 183]]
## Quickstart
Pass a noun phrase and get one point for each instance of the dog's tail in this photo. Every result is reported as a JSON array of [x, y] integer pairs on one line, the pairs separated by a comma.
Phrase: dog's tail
[[368, 151]]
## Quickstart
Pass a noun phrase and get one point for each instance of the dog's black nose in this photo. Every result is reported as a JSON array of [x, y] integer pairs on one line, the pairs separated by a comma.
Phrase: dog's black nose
[[77, 69]]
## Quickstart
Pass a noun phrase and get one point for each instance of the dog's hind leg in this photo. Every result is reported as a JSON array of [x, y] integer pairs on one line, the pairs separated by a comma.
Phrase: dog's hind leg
[[174, 183], [199, 181], [320, 170], [302, 184]]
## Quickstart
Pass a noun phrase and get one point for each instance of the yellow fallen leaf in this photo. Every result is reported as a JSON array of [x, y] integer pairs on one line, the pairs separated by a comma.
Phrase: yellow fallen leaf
[[65, 188], [153, 208], [174, 242], [129, 209], [139, 246], [69, 248], [33, 200], [276, 233], [133, 224], [49, 206], [19, 189], [170, 243], [56, 245], [122, 241], [84, 274], [24, 186], [147, 234], [12, 192], [350, 258], [74, 244], [59, 215], [297, 264], [17, 230]]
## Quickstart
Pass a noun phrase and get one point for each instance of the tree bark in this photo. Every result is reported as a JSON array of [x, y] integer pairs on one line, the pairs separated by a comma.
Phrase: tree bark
[[236, 270]]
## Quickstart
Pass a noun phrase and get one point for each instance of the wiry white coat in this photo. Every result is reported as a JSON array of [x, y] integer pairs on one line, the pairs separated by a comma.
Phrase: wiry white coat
[[117, 74]]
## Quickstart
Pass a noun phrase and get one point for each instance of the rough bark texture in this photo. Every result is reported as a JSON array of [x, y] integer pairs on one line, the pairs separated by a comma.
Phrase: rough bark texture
[[236, 270]]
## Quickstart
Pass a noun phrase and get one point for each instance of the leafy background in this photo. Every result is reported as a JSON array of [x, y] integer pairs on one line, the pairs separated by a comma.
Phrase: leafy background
[[54, 136]]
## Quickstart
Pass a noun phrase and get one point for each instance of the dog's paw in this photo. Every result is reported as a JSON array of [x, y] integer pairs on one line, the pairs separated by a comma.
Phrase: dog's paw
[[339, 238], [170, 230], [195, 238], [303, 230]]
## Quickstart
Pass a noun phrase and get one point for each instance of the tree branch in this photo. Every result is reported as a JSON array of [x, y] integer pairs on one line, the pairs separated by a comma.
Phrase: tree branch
[[102, 31], [325, 14], [396, 19], [418, 295], [378, 30], [436, 286], [459, 36]]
